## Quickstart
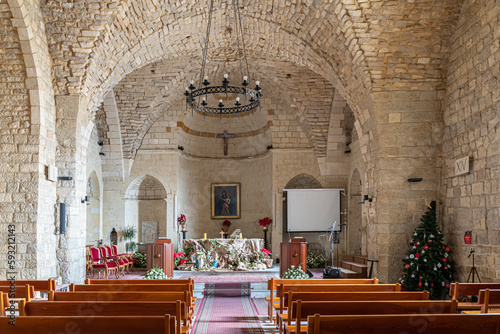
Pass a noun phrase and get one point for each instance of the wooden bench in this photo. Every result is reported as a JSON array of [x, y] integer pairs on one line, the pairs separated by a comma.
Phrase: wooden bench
[[469, 289], [300, 310], [131, 287], [38, 285], [274, 282], [106, 296], [283, 289], [404, 323], [98, 308], [489, 299], [345, 297], [89, 324]]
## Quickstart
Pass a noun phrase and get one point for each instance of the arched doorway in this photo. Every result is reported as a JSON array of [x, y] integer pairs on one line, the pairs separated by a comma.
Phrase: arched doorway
[[93, 208], [356, 232], [146, 209]]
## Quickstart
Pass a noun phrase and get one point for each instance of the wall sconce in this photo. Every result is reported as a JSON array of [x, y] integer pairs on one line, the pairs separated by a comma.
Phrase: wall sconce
[[269, 147], [415, 179], [367, 198], [65, 178], [347, 151], [180, 148], [86, 199], [102, 153]]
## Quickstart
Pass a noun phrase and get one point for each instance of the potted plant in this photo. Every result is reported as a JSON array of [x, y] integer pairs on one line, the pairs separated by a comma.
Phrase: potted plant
[[267, 257], [179, 259], [295, 273], [129, 234], [182, 222], [265, 222]]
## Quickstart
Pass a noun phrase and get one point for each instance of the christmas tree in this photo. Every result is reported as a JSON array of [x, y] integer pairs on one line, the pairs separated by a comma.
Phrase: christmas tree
[[427, 265]]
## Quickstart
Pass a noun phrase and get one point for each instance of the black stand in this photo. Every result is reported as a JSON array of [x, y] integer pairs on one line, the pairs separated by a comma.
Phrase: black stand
[[371, 268], [265, 239], [473, 270], [184, 235]]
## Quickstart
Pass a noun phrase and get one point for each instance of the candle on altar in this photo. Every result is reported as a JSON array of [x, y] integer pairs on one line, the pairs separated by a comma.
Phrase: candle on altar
[[204, 235], [241, 236]]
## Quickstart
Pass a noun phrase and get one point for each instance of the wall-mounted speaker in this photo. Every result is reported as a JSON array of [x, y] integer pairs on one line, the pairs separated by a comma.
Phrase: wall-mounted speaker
[[332, 273], [62, 218]]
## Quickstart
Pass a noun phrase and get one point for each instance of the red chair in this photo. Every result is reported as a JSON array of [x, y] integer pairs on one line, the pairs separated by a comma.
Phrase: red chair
[[106, 252], [102, 264], [127, 258]]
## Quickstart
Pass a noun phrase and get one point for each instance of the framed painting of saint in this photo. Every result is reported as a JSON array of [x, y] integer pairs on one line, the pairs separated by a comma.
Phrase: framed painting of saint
[[226, 201]]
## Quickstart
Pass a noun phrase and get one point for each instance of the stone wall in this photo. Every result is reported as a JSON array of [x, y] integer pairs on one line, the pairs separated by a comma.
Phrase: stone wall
[[471, 201]]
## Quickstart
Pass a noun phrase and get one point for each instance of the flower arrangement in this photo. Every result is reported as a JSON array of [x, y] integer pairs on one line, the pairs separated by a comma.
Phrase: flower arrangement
[[179, 258], [226, 223], [155, 273], [181, 219], [295, 273], [265, 221], [140, 261], [266, 252]]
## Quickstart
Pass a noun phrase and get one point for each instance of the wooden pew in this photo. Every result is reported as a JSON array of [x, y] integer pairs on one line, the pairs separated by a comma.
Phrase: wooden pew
[[19, 292], [3, 304], [489, 299], [140, 281], [300, 310], [184, 296], [346, 297], [89, 325], [272, 283], [404, 323], [97, 308], [131, 287], [38, 285], [469, 289], [283, 289]]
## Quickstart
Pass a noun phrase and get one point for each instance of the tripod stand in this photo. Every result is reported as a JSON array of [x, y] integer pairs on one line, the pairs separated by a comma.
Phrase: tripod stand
[[473, 270]]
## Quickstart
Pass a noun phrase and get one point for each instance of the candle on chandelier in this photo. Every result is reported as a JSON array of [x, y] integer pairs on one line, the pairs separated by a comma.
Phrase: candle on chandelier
[[226, 75], [245, 78]]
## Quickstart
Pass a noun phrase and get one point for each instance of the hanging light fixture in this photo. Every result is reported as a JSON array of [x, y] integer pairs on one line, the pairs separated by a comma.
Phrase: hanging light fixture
[[243, 98]]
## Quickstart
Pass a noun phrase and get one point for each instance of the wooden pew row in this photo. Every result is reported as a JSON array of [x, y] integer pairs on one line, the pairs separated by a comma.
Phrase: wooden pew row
[[274, 282], [489, 299], [131, 287], [346, 297], [93, 296], [177, 309], [469, 289], [404, 323], [3, 304], [139, 281], [38, 285], [300, 310], [19, 292], [89, 324], [283, 289]]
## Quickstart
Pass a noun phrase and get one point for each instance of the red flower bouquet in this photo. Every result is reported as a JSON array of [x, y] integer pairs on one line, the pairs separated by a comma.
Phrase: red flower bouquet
[[226, 223], [266, 252], [265, 221], [181, 219], [179, 258]]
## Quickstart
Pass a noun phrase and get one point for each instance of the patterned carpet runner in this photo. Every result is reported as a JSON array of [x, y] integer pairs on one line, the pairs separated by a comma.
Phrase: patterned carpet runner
[[227, 308], [228, 289]]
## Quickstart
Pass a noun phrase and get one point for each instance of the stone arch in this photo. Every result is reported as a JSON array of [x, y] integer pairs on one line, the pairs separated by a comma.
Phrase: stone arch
[[93, 207], [146, 208], [303, 181]]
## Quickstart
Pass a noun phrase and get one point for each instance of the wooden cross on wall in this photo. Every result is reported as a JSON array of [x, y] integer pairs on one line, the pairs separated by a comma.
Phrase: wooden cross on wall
[[226, 137]]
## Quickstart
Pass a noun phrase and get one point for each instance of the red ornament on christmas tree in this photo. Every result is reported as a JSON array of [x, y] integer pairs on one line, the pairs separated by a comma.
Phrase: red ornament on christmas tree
[[426, 247], [417, 255], [420, 284], [445, 259], [407, 266]]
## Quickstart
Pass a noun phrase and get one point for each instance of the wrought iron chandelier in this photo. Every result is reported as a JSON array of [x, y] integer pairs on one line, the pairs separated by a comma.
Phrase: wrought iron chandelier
[[238, 99]]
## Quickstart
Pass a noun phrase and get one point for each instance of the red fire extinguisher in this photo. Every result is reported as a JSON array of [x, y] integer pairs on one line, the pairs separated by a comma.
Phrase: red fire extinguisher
[[468, 237]]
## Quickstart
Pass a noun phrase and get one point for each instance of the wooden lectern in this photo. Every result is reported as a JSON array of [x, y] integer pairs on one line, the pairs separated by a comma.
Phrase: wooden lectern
[[293, 253], [161, 255]]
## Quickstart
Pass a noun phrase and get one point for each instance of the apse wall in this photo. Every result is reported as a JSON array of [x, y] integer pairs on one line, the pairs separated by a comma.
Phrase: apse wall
[[194, 193], [471, 201]]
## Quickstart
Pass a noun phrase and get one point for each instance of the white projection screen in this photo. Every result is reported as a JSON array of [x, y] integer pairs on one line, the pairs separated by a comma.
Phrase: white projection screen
[[313, 210]]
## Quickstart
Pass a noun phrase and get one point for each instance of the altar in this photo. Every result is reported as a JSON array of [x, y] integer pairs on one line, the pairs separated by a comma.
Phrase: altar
[[229, 254]]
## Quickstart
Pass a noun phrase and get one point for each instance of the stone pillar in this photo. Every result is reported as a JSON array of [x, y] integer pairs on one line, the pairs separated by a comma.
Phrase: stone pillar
[[171, 227], [71, 162], [276, 235]]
